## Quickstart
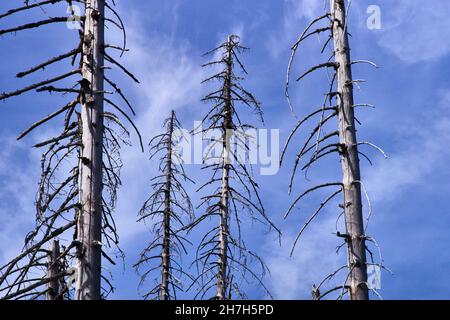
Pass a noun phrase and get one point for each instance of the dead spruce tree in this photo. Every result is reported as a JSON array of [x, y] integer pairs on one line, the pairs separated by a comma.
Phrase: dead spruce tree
[[169, 210], [338, 104], [80, 167], [222, 258]]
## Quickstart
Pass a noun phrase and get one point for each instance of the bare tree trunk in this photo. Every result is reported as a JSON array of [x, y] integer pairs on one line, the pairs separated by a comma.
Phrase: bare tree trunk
[[167, 214], [53, 271], [90, 215], [225, 190], [349, 157]]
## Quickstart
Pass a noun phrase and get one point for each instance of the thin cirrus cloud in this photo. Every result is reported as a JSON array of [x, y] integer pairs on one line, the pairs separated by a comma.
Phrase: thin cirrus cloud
[[281, 36], [313, 259], [416, 31], [412, 30], [421, 153], [163, 66], [17, 189]]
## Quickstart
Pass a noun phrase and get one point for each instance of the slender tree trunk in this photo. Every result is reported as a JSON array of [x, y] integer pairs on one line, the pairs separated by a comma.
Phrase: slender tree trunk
[[53, 271], [167, 213], [349, 157], [225, 190], [90, 178]]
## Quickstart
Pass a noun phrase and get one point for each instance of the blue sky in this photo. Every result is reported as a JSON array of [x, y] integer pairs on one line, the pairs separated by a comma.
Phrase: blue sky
[[411, 90]]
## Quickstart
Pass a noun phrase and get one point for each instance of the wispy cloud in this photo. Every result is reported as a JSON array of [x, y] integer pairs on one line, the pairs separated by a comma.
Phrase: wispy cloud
[[416, 30], [17, 190], [314, 258], [423, 150], [297, 15], [170, 79], [308, 9]]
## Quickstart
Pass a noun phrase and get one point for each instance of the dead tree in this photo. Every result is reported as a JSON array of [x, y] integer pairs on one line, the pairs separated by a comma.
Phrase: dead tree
[[89, 223], [222, 258], [339, 104], [169, 210], [78, 202]]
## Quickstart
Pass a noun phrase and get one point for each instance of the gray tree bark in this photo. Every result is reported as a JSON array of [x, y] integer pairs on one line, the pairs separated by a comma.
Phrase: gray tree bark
[[89, 224], [225, 189], [353, 213], [53, 271]]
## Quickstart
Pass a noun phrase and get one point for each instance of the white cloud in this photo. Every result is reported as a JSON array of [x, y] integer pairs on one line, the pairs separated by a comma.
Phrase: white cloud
[[424, 150], [416, 30], [297, 15], [170, 79], [17, 190], [314, 258], [308, 9]]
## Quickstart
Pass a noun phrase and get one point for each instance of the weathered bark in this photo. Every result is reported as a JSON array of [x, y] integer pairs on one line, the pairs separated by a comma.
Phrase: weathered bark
[[53, 271], [89, 225], [227, 127], [349, 157], [167, 216]]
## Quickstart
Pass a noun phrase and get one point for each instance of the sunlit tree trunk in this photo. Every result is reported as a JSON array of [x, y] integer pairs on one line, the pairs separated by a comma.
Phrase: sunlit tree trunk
[[90, 178], [353, 213]]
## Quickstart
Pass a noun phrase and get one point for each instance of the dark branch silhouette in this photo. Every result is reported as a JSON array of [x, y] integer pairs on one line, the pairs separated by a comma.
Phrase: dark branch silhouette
[[223, 260], [169, 210]]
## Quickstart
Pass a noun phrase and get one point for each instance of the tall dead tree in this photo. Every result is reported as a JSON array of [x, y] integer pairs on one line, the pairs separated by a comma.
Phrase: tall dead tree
[[89, 223], [222, 257], [78, 201], [169, 210], [338, 103]]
